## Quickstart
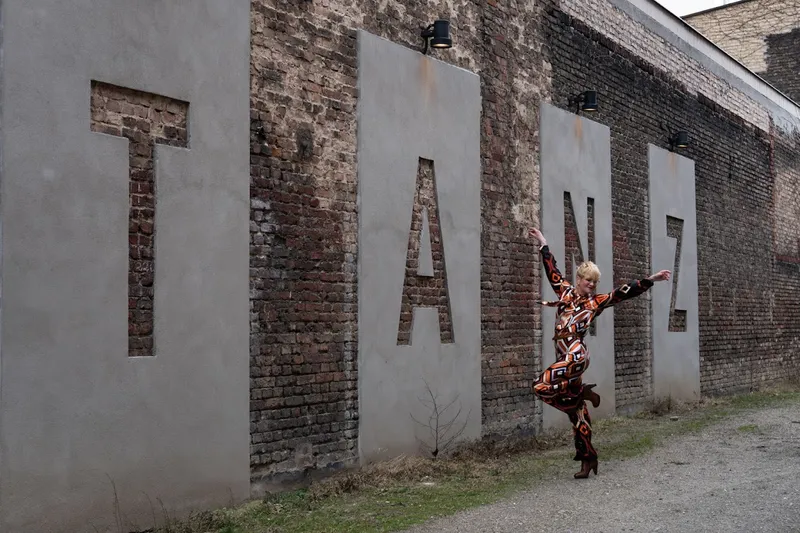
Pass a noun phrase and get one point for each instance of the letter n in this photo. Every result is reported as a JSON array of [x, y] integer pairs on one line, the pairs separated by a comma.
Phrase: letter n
[[576, 218]]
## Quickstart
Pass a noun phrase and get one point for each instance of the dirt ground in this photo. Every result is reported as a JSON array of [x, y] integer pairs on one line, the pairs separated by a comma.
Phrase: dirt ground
[[741, 475]]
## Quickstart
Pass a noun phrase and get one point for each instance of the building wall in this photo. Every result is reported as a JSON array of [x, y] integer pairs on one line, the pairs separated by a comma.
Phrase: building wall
[[783, 61], [742, 159], [759, 33], [304, 319], [304, 216], [638, 99]]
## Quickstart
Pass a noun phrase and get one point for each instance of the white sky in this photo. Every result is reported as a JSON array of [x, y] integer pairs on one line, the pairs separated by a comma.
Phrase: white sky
[[685, 7]]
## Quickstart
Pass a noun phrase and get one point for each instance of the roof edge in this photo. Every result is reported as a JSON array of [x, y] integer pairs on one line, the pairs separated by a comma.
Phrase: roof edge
[[689, 40]]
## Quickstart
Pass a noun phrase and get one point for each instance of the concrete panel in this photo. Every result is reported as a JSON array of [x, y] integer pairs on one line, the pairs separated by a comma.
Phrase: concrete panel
[[413, 106], [576, 158], [77, 412], [676, 354]]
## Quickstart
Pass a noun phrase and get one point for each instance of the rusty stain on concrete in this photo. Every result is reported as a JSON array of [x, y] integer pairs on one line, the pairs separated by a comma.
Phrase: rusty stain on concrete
[[427, 78], [579, 131]]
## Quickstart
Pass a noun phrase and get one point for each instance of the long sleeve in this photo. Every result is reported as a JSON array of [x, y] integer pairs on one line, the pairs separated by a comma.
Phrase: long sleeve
[[620, 294], [555, 278]]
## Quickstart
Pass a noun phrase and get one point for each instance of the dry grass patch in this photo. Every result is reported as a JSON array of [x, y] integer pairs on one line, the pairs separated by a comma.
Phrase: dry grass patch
[[475, 460]]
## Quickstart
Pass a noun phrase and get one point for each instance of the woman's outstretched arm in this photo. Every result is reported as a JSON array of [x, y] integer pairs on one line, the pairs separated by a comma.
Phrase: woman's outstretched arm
[[554, 276], [630, 290]]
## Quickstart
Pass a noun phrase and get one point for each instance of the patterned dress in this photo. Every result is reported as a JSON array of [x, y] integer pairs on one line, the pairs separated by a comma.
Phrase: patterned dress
[[561, 384]]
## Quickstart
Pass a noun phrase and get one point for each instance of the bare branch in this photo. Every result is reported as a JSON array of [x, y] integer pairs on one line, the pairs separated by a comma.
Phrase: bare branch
[[440, 424]]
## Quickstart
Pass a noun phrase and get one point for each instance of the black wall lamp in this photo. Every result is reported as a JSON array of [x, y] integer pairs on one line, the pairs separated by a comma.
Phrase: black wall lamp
[[437, 35], [679, 139], [585, 101]]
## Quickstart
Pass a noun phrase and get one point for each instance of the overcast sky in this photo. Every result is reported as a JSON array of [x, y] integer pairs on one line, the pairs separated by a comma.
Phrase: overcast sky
[[684, 7]]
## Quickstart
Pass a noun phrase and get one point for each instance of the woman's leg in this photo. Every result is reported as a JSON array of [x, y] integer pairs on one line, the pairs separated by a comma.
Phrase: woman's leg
[[557, 391], [582, 431], [568, 397]]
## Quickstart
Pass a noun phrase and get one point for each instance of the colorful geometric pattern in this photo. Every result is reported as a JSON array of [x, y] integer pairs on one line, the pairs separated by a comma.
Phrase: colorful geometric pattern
[[561, 384]]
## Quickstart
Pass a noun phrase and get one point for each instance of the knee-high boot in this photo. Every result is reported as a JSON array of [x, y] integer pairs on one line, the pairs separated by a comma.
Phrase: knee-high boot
[[589, 394], [586, 467]]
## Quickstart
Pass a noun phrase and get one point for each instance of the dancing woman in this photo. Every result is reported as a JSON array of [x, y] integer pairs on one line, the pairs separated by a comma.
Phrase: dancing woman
[[561, 385]]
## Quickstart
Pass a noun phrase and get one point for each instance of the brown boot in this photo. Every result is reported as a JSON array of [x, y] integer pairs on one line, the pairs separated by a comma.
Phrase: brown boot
[[586, 467], [589, 394]]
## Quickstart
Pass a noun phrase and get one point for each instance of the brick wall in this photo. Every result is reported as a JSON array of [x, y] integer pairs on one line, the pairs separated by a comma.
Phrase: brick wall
[[304, 408], [144, 119], [740, 28], [785, 152], [786, 169], [303, 239], [429, 289], [677, 317], [735, 188], [510, 266], [783, 62], [665, 57], [759, 34], [304, 320]]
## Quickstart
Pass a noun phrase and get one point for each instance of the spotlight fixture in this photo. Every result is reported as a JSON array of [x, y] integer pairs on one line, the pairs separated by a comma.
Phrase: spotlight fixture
[[585, 101], [680, 139], [437, 35]]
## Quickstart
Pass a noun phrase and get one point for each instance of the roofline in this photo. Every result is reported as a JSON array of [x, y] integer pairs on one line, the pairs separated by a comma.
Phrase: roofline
[[717, 8], [681, 34]]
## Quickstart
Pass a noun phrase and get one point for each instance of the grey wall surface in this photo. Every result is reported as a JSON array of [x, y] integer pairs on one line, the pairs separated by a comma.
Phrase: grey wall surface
[[413, 106], [676, 354], [77, 412], [576, 158]]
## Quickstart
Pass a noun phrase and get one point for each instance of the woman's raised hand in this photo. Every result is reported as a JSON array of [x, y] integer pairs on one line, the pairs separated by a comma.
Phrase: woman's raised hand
[[536, 234], [661, 275]]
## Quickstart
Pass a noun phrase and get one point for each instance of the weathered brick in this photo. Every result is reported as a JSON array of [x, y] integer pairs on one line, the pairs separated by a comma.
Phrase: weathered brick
[[783, 62], [425, 291], [303, 211], [120, 111], [742, 27]]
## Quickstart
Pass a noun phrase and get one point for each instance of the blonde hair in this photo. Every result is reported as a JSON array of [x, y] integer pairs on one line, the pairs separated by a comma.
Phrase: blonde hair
[[589, 271]]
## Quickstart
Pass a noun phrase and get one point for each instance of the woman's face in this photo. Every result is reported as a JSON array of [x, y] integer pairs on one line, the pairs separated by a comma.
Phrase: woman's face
[[586, 287]]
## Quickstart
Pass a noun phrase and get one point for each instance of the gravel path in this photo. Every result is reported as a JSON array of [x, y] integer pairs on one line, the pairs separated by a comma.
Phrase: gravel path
[[719, 480]]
